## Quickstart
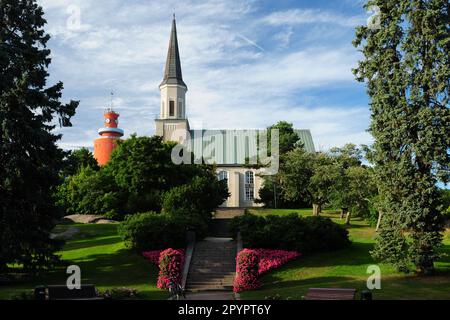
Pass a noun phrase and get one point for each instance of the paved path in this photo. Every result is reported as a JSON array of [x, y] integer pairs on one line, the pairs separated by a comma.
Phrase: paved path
[[210, 295], [226, 213], [213, 265]]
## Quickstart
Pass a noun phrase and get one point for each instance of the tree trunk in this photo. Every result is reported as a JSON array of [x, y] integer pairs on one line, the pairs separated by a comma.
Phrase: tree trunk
[[319, 209], [347, 218], [343, 212], [316, 209], [380, 215]]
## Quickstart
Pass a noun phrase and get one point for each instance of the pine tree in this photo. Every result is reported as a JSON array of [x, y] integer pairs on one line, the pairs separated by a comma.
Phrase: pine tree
[[29, 158], [407, 71]]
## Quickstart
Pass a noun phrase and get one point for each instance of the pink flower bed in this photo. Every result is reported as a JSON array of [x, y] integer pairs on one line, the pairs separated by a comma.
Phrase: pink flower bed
[[273, 259], [170, 262], [250, 263], [247, 271], [153, 256]]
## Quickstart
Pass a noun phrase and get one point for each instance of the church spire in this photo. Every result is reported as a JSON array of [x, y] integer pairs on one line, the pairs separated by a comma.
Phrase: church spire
[[172, 74]]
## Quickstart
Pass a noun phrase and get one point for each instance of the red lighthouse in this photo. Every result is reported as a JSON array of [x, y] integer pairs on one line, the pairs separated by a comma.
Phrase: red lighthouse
[[104, 145]]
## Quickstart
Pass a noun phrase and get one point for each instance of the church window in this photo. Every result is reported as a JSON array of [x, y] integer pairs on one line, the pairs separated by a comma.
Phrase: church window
[[172, 108], [249, 186], [180, 108], [223, 175]]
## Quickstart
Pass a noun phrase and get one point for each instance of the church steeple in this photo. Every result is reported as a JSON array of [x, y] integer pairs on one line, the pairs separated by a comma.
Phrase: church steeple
[[172, 73], [173, 89]]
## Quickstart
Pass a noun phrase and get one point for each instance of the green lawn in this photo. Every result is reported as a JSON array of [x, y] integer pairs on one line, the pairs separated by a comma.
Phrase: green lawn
[[104, 261], [347, 269]]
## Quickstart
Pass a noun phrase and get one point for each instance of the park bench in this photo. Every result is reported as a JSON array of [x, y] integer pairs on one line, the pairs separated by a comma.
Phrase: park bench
[[61, 292], [330, 294]]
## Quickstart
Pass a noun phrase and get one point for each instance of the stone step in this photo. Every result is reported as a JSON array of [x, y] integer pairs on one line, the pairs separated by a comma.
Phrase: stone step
[[213, 265], [196, 284], [211, 279], [209, 288], [207, 271], [225, 275]]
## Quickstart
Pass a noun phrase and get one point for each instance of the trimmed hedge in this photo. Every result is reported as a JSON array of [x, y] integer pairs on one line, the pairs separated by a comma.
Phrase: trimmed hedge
[[291, 232], [152, 231]]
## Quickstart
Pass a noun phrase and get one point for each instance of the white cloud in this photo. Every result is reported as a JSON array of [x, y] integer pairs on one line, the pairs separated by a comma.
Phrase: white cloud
[[304, 16], [234, 80]]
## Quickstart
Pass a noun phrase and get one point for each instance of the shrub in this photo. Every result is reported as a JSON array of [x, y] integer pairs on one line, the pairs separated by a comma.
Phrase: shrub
[[325, 235], [198, 198], [151, 231], [171, 263], [292, 232], [247, 271]]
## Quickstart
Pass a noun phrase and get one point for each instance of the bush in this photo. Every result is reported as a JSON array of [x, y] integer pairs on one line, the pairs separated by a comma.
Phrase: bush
[[292, 232], [171, 263], [151, 231], [197, 199], [247, 265]]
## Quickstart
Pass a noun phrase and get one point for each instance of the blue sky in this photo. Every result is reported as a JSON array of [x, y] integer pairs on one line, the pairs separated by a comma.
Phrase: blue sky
[[248, 64]]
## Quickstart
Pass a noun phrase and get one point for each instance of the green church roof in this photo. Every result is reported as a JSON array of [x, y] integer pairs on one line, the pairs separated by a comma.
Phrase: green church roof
[[236, 145]]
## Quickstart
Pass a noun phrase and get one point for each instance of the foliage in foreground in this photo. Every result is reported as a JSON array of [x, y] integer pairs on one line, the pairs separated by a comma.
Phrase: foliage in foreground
[[30, 160]]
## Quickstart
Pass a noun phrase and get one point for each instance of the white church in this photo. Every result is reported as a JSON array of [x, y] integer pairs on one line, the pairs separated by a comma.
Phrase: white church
[[236, 146]]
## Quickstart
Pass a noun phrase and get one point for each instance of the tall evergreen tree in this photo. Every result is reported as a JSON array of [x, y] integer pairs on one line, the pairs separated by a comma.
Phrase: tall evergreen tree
[[29, 158], [407, 71]]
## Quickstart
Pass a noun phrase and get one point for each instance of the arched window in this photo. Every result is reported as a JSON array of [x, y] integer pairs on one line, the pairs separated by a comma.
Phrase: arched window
[[223, 175], [249, 186]]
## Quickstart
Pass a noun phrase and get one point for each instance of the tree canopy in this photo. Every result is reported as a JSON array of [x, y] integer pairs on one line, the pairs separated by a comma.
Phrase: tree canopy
[[30, 160], [407, 71], [138, 178]]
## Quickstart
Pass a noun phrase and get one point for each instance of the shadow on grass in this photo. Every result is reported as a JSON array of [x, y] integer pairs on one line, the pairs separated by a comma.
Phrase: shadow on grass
[[121, 268], [89, 242]]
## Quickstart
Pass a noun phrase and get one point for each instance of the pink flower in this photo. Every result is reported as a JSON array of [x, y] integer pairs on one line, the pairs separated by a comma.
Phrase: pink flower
[[152, 256], [247, 271], [170, 263], [250, 263]]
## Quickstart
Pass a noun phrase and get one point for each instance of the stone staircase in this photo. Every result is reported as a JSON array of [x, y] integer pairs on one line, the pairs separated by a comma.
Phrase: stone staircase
[[213, 265]]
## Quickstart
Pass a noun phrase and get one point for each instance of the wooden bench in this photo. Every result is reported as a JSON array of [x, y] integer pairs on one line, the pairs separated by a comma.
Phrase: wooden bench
[[61, 292], [330, 294]]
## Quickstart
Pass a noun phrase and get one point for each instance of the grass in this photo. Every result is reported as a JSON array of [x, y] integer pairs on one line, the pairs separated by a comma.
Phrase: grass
[[347, 269], [104, 261]]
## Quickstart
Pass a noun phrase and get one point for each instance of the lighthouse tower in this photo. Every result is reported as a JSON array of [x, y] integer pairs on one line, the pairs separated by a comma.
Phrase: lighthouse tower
[[104, 145]]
